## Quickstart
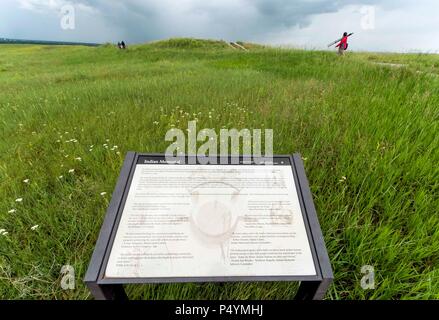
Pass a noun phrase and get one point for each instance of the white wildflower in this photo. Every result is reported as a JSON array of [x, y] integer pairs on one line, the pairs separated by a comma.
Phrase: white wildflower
[[12, 211], [103, 193], [19, 200], [71, 170], [35, 227], [26, 180]]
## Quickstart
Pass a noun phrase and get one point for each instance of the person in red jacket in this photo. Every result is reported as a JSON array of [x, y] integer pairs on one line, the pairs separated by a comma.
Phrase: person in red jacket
[[343, 45]]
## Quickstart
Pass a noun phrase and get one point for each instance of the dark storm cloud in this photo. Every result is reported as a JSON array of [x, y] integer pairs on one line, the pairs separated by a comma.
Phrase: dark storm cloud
[[146, 20], [280, 13]]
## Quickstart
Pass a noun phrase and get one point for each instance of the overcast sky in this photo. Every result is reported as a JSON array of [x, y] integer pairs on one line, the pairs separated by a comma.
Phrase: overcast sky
[[379, 25]]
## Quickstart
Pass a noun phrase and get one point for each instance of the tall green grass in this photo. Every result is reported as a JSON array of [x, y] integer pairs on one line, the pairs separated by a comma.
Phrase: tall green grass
[[368, 134]]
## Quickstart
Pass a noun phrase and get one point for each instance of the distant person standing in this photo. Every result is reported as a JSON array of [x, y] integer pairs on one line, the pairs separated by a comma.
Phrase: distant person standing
[[122, 44], [343, 45]]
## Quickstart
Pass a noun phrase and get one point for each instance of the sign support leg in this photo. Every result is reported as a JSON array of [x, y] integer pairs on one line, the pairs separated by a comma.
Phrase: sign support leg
[[107, 291], [312, 290]]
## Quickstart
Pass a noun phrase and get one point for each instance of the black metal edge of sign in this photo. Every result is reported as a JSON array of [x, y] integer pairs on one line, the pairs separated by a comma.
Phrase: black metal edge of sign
[[92, 275], [317, 288], [311, 287]]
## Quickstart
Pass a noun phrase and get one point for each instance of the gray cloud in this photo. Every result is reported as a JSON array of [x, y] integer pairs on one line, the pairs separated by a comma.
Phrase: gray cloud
[[220, 19], [141, 20]]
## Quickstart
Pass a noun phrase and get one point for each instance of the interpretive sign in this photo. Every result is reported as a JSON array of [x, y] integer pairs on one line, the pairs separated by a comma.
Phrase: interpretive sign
[[179, 222]]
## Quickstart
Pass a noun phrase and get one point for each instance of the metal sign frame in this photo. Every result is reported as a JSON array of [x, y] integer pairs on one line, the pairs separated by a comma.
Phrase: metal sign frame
[[311, 287]]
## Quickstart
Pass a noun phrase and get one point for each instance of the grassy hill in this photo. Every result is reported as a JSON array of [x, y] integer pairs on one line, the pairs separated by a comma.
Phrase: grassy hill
[[367, 130]]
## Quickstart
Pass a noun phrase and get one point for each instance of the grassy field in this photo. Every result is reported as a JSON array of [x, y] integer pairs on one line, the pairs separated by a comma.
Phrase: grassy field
[[368, 132]]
